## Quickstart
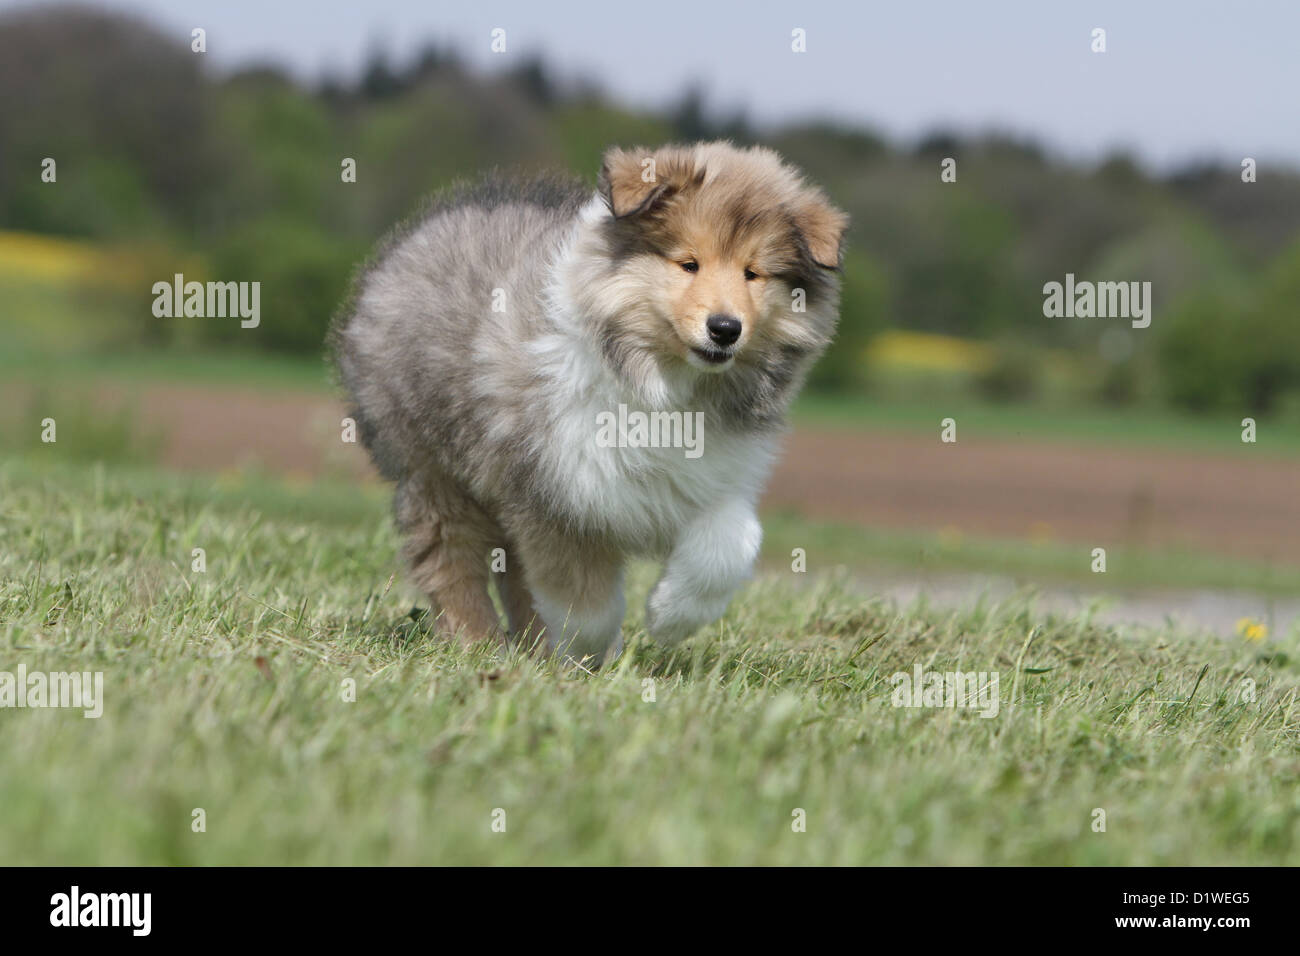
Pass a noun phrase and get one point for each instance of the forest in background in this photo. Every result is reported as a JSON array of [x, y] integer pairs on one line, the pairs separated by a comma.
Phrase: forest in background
[[165, 167]]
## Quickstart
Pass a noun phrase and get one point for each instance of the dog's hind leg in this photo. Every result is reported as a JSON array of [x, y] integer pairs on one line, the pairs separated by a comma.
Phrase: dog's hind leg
[[521, 614], [448, 541]]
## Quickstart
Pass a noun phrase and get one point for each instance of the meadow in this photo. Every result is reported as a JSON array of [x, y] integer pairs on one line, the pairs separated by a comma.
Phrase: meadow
[[294, 693], [291, 701]]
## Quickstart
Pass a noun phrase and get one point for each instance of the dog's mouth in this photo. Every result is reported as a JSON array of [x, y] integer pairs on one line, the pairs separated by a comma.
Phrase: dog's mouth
[[714, 356]]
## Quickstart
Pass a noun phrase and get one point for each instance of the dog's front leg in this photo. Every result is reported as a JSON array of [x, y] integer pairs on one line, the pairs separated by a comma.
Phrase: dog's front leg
[[577, 589], [712, 557]]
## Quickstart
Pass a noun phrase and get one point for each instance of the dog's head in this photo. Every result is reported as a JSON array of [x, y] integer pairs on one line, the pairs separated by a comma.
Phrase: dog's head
[[715, 256]]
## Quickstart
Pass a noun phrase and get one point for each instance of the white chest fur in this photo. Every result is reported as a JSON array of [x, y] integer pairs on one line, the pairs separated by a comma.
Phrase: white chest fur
[[643, 473]]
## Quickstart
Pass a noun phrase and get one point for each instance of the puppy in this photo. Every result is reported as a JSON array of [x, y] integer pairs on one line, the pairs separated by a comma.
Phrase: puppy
[[558, 380]]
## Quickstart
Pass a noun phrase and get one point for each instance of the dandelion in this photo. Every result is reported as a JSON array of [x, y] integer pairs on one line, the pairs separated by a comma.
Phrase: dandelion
[[1252, 630]]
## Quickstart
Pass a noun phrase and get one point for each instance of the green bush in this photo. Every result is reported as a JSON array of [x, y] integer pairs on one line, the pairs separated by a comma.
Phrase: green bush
[[864, 301], [1196, 355], [304, 275], [1014, 375], [1118, 384], [1236, 350]]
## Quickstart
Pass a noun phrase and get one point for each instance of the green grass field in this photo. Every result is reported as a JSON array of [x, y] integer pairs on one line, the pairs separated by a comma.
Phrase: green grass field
[[225, 691], [1148, 425]]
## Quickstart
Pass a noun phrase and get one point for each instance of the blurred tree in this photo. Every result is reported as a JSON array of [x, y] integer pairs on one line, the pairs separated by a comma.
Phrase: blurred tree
[[1014, 375], [1272, 336], [1259, 219], [534, 82], [379, 81], [1237, 348], [282, 148], [430, 61], [304, 275], [688, 116], [121, 107], [864, 303], [1200, 366], [938, 143]]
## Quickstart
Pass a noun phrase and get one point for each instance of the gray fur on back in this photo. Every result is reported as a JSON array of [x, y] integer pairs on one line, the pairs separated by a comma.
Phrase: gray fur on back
[[433, 372]]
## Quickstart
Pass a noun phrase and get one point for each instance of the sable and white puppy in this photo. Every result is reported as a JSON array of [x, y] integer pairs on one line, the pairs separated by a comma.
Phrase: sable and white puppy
[[489, 340]]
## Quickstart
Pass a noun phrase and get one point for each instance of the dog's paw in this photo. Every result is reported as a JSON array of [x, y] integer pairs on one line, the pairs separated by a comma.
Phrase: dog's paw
[[594, 635], [671, 617]]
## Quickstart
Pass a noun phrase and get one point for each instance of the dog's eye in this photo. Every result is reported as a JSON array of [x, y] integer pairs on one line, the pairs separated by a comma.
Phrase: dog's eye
[[690, 265], [750, 275]]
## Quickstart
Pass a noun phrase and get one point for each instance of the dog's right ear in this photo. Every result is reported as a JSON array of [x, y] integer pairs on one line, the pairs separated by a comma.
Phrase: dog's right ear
[[629, 182], [635, 181]]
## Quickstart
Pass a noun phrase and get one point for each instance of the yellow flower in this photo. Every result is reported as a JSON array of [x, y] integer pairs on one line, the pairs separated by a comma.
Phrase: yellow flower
[[895, 349], [46, 257], [1252, 630]]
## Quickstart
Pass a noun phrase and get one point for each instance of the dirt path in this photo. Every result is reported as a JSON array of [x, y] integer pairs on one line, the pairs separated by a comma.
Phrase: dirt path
[[1246, 505]]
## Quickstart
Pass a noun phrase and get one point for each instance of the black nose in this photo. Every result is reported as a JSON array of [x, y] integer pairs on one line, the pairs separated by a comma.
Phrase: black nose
[[723, 329]]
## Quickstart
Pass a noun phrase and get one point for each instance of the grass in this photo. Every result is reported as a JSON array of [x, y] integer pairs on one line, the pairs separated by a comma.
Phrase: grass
[[169, 366], [1049, 561], [1052, 420], [225, 691], [116, 436]]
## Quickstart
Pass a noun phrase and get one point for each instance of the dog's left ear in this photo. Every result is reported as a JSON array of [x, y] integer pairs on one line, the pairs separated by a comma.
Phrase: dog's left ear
[[822, 227]]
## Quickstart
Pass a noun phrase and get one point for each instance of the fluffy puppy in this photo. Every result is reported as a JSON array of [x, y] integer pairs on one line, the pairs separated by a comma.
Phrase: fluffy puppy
[[558, 380]]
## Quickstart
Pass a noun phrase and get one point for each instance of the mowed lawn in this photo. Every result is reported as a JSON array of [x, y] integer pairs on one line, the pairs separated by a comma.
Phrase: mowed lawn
[[769, 739]]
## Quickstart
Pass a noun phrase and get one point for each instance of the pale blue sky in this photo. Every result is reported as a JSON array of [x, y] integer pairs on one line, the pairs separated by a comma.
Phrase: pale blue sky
[[1182, 79]]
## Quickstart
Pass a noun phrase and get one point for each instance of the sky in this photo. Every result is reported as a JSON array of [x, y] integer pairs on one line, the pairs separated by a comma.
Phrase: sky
[[1181, 80]]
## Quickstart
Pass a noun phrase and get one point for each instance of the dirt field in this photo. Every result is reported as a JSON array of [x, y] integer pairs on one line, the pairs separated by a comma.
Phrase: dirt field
[[1246, 505]]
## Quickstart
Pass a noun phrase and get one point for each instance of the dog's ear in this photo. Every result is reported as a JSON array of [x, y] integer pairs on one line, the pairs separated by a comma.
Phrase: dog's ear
[[633, 181], [628, 182], [822, 227]]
